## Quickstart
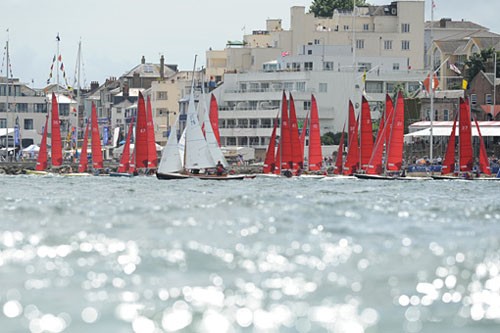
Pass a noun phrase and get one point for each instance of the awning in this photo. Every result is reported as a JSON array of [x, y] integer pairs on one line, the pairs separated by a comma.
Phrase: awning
[[446, 131]]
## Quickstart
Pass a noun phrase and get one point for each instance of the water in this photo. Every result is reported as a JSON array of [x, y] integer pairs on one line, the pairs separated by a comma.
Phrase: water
[[102, 254]]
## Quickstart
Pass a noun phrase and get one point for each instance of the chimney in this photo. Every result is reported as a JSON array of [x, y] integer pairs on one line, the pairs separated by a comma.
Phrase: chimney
[[143, 60], [94, 85], [442, 22], [162, 67], [125, 90]]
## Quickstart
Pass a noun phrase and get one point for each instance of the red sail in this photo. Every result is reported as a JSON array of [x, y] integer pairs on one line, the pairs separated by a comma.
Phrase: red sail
[[41, 162], [285, 143], [270, 162], [303, 132], [448, 165], [396, 142], [484, 163], [213, 115], [56, 134], [465, 133], [141, 135], [294, 137], [340, 153], [375, 166], [125, 158], [152, 157], [96, 141], [352, 160], [84, 160], [366, 145], [315, 155]]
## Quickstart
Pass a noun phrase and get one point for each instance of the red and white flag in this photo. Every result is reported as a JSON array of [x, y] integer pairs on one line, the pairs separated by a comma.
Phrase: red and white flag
[[455, 69]]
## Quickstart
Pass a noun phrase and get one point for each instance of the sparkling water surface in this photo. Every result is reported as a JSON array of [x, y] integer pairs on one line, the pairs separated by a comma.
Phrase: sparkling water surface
[[101, 254]]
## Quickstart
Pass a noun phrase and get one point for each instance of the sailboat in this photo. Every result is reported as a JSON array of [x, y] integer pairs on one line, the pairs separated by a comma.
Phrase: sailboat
[[270, 162], [390, 137], [315, 160], [197, 155], [56, 144], [124, 169], [465, 151], [97, 162], [351, 164], [83, 161]]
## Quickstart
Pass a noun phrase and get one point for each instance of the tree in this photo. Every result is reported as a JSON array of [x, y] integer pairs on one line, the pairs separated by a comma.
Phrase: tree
[[325, 8], [477, 62]]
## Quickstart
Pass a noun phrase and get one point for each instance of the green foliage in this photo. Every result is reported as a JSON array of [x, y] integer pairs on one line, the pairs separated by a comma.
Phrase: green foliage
[[477, 62], [324, 8], [330, 138]]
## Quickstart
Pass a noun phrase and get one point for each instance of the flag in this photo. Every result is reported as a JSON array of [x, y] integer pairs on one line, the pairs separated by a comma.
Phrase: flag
[[464, 84], [428, 85], [433, 4], [54, 60], [455, 69], [59, 58], [285, 53], [57, 37]]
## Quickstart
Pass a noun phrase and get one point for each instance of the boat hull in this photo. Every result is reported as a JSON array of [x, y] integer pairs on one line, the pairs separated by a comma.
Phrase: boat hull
[[376, 177], [120, 174], [171, 176]]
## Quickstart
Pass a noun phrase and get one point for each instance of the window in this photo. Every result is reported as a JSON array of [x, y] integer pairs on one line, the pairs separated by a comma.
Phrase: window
[[309, 52], [161, 95], [364, 66], [328, 66], [3, 123], [360, 43], [243, 123], [488, 99], [231, 123], [22, 107], [346, 27], [374, 87], [288, 86], [405, 45], [301, 86], [40, 108], [366, 27], [395, 66], [387, 44], [316, 42], [308, 66], [64, 109], [28, 124], [296, 66], [446, 115], [266, 123], [231, 141], [254, 123], [307, 105], [405, 27], [323, 87], [473, 99], [243, 141], [254, 141]]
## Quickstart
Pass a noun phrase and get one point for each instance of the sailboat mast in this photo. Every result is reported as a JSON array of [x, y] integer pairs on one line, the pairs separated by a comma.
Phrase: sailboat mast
[[78, 65], [431, 85], [7, 95]]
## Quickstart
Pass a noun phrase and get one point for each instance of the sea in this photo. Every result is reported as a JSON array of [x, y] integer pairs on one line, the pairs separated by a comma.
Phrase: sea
[[122, 255]]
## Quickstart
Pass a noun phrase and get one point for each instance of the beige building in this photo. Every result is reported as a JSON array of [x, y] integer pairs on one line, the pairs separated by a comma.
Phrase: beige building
[[393, 30]]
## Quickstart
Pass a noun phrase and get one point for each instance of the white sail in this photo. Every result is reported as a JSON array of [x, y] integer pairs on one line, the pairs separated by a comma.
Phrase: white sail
[[171, 160], [197, 154], [182, 145], [213, 145]]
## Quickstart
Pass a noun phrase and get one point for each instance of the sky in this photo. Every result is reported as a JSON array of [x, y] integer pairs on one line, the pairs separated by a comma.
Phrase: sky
[[115, 34]]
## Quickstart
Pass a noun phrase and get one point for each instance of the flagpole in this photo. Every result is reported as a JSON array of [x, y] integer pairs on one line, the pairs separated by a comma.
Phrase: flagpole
[[7, 95], [431, 86]]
